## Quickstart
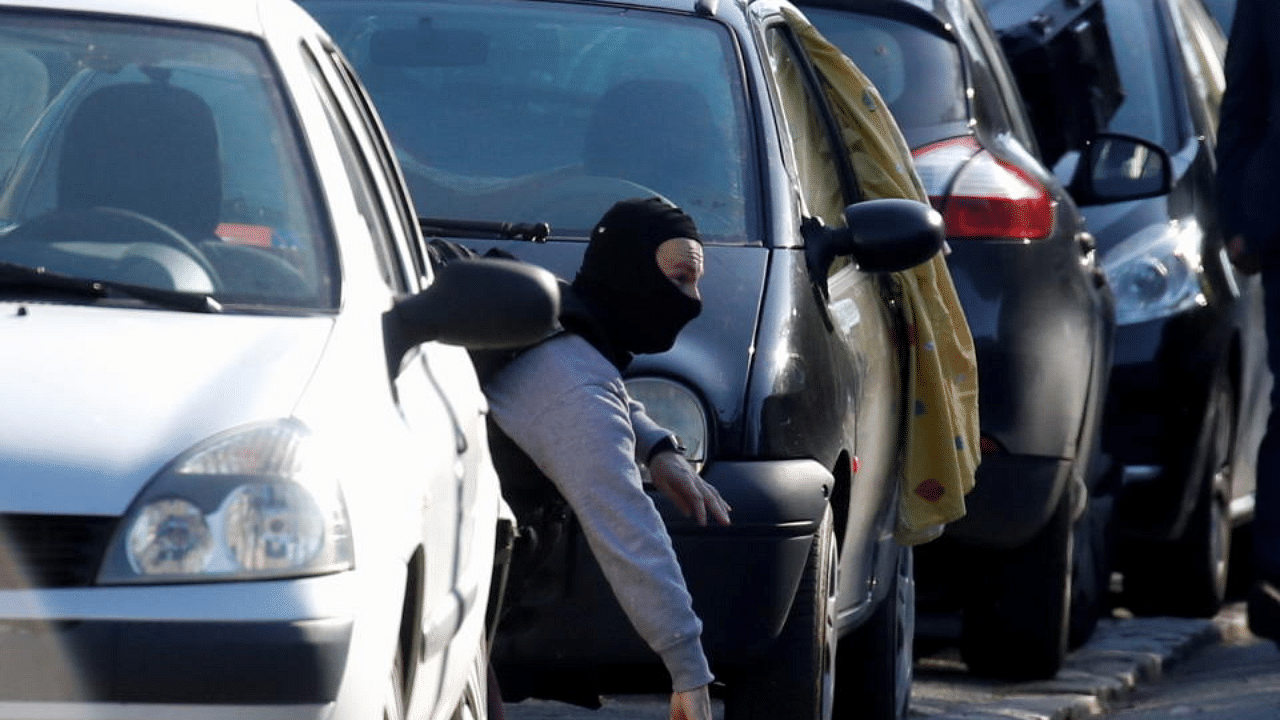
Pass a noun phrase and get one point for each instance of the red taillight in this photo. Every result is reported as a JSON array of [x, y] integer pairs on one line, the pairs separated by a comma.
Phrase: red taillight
[[985, 198]]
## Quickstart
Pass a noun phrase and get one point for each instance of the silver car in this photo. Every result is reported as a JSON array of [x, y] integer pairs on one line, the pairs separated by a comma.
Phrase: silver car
[[243, 461]]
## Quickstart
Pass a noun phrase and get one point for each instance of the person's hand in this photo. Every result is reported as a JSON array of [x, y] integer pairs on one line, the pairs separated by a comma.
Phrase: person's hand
[[1245, 261], [692, 704], [675, 478]]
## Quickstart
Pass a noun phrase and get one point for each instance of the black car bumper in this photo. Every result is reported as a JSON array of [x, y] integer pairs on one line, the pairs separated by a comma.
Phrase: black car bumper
[[742, 577], [1160, 385], [1012, 499], [232, 663]]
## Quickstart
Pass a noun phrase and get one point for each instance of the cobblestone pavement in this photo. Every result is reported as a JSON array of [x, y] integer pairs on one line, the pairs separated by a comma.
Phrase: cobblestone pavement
[[1123, 653]]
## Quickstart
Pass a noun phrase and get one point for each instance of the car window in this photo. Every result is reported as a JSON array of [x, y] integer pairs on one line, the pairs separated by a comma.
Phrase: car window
[[185, 129], [918, 73], [815, 155], [1149, 108], [526, 112], [360, 176]]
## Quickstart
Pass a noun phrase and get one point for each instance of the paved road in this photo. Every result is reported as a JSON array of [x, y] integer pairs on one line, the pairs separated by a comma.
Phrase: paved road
[[1125, 654], [1236, 679]]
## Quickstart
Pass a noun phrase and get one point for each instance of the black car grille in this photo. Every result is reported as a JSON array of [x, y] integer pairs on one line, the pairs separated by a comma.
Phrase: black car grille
[[51, 551]]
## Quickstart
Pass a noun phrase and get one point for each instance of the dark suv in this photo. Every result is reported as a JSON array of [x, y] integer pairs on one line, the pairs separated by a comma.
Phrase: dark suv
[[787, 390], [1184, 413]]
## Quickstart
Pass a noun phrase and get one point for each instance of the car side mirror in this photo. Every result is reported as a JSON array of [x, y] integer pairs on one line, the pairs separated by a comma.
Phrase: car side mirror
[[884, 235], [476, 303], [1118, 168]]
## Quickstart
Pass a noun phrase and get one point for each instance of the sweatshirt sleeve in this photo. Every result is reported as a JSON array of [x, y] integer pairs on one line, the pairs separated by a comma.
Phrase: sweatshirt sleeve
[[574, 420], [648, 433]]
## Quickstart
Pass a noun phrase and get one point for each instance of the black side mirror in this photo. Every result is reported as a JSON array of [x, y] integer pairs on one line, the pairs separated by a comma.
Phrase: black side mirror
[[886, 235], [1117, 168], [476, 303]]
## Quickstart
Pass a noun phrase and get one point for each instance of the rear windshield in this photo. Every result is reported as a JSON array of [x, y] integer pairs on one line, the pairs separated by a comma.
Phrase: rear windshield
[[1144, 64], [525, 112], [917, 72]]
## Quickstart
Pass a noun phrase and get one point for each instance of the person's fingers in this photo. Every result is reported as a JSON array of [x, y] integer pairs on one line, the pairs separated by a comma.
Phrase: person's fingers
[[719, 508], [697, 500]]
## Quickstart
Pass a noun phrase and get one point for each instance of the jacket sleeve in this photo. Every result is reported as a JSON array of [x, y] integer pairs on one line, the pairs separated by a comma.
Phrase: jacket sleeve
[[583, 440], [1242, 125]]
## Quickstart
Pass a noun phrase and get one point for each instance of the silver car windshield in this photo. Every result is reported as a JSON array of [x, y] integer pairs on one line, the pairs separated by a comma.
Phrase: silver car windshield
[[550, 112], [157, 157]]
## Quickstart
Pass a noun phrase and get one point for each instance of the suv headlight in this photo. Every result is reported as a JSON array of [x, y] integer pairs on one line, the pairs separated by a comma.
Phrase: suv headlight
[[676, 408], [250, 504], [1156, 272]]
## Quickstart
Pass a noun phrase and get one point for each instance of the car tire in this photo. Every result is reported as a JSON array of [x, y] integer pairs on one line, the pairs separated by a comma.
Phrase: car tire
[[1016, 615], [1187, 577], [796, 680], [1091, 569], [874, 663]]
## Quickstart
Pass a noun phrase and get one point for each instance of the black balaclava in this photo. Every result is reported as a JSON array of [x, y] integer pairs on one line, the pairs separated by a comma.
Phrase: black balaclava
[[634, 305]]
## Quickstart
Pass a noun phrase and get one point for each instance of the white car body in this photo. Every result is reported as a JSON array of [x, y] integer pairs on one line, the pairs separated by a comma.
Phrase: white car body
[[100, 398]]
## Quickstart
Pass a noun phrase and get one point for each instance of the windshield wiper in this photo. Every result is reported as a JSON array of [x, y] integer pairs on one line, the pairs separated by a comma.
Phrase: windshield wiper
[[531, 232], [15, 277]]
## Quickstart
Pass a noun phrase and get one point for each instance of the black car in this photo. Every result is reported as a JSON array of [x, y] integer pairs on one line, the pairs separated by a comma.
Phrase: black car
[[1188, 388], [518, 118], [1034, 542]]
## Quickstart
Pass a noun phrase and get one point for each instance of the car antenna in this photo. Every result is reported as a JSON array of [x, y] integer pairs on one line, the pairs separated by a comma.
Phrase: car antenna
[[706, 7]]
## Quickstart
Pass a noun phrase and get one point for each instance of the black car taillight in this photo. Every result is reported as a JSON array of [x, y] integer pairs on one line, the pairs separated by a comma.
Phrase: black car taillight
[[986, 197]]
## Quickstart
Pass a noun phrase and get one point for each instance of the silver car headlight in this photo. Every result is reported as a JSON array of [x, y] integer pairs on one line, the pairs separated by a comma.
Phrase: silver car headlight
[[676, 408], [1156, 272], [250, 504]]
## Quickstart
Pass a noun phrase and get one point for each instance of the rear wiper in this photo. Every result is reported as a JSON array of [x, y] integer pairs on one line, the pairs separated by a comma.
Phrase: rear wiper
[[530, 232], [15, 277]]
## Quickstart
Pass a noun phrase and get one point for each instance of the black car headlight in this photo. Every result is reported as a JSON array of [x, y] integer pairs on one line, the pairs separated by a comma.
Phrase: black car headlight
[[254, 503], [1156, 272], [678, 409]]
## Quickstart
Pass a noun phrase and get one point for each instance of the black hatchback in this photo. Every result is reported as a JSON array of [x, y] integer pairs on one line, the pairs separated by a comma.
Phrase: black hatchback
[[1026, 568], [520, 118], [1188, 388]]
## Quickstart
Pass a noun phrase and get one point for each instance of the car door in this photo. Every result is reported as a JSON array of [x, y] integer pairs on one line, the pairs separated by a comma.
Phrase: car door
[[430, 400], [859, 341]]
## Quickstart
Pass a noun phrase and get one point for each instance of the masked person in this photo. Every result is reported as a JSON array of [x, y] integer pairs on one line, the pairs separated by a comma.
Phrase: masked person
[[1248, 179], [563, 403]]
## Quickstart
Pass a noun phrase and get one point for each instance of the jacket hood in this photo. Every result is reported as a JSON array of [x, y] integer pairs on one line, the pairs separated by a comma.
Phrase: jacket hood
[[95, 401]]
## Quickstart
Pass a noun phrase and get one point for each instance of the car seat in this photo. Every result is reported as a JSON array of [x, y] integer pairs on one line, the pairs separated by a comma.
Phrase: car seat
[[660, 134], [150, 148]]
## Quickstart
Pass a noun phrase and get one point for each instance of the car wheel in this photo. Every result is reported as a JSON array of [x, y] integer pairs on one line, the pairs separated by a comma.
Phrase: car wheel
[[1016, 614], [1188, 576], [874, 663], [1091, 569], [797, 678]]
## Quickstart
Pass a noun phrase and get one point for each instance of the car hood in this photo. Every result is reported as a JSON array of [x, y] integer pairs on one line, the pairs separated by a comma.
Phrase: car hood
[[96, 400]]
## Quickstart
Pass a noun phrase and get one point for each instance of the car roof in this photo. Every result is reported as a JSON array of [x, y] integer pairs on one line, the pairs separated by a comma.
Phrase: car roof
[[933, 15], [237, 15]]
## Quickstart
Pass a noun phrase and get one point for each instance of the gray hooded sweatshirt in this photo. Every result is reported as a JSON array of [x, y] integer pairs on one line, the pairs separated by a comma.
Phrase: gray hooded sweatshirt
[[565, 405]]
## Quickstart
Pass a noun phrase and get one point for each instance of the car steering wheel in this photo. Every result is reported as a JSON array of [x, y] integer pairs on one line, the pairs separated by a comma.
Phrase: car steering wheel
[[109, 225]]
